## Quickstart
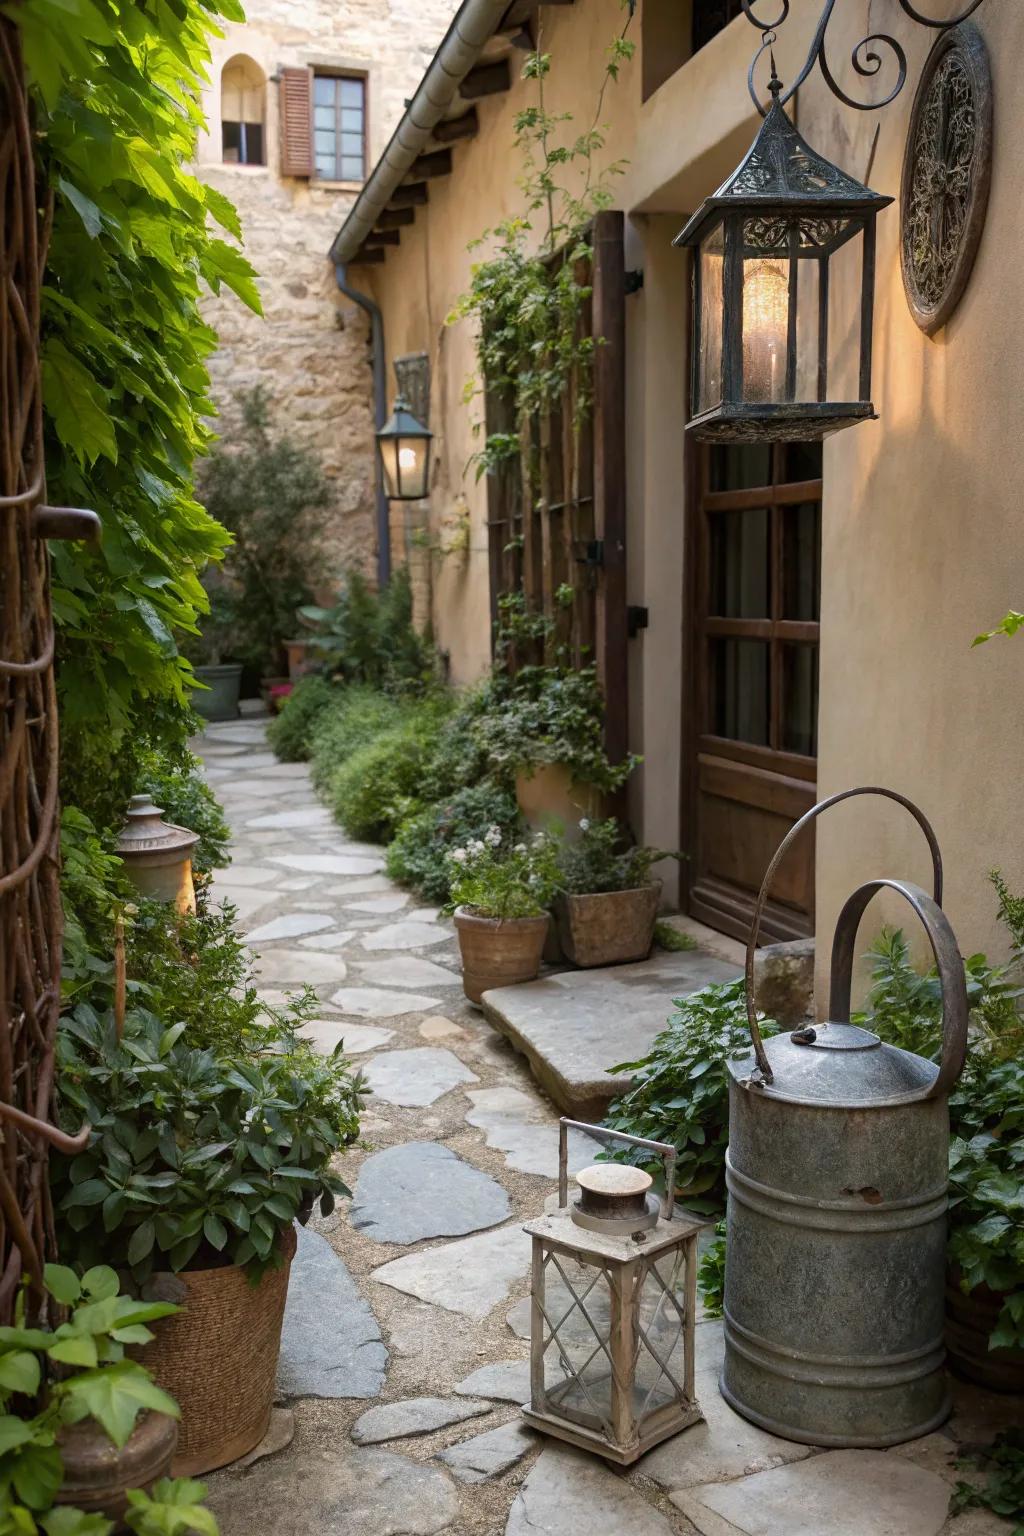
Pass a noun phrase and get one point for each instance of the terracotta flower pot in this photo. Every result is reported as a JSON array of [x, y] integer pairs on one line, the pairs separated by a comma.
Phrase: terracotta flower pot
[[549, 793], [970, 1318], [218, 1357], [610, 928], [97, 1475], [498, 952]]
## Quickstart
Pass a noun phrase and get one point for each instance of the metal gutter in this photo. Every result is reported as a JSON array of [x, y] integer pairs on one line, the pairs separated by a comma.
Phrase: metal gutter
[[380, 410], [475, 23]]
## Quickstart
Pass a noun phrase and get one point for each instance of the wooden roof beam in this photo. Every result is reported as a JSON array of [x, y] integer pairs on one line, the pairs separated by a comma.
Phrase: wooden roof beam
[[437, 162], [395, 218], [486, 80], [412, 195], [382, 237], [449, 129], [369, 256]]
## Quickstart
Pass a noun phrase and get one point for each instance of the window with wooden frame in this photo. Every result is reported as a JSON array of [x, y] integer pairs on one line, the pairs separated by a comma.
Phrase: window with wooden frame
[[243, 89], [339, 126]]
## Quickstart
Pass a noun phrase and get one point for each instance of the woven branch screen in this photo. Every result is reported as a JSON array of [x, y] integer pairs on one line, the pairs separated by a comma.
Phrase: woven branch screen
[[30, 912]]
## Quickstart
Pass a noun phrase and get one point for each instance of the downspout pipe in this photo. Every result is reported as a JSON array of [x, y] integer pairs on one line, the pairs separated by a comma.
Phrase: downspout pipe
[[380, 415]]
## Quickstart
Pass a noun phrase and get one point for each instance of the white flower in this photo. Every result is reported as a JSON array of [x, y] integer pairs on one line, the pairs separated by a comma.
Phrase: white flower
[[459, 855], [476, 846], [584, 823], [520, 848], [494, 836]]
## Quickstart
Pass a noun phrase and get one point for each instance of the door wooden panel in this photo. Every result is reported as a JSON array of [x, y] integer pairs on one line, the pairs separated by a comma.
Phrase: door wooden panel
[[754, 549]]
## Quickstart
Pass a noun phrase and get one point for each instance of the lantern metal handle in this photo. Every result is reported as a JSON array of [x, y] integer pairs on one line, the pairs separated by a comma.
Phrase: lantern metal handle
[[662, 1148], [948, 961], [762, 899]]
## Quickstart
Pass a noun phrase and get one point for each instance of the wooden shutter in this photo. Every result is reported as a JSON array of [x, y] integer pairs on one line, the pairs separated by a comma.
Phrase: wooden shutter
[[296, 122]]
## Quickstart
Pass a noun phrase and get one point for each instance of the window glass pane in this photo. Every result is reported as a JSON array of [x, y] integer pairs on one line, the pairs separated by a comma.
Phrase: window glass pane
[[739, 466], [323, 90], [801, 561], [739, 697], [324, 117], [803, 461], [739, 564], [325, 142], [351, 92], [352, 170], [231, 142], [800, 699], [325, 167], [352, 144], [352, 120], [709, 363]]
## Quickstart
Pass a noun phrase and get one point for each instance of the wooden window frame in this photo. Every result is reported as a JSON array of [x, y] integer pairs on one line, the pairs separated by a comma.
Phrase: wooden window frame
[[339, 72]]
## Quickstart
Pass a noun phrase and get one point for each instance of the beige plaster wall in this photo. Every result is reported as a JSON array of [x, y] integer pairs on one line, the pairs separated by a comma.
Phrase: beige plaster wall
[[310, 351], [922, 542]]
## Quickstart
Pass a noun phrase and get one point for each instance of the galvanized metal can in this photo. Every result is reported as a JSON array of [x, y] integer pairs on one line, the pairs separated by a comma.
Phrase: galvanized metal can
[[837, 1183]]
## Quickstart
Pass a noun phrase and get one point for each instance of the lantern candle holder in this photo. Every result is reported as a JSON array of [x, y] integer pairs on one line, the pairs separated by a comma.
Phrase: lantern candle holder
[[613, 1303], [157, 855]]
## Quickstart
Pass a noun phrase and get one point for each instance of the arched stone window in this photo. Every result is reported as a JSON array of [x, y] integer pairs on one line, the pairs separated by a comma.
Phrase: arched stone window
[[243, 90]]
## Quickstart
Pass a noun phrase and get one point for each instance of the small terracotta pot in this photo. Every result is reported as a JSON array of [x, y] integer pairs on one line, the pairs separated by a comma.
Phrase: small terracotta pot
[[549, 793], [218, 1357], [970, 1318], [610, 928], [498, 952], [97, 1475]]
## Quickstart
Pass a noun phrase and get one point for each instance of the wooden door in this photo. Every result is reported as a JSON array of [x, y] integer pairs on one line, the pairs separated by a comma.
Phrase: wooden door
[[560, 539], [754, 551]]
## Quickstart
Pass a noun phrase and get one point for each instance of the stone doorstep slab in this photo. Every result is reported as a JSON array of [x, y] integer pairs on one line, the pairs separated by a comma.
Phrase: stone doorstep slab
[[574, 1025]]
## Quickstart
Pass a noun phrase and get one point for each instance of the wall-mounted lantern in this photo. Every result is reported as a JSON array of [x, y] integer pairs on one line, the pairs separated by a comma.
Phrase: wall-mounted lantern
[[157, 855], [404, 447], [784, 278], [614, 1296]]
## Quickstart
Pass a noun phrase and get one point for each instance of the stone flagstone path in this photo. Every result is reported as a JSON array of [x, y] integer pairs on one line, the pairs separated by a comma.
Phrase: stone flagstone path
[[405, 1351]]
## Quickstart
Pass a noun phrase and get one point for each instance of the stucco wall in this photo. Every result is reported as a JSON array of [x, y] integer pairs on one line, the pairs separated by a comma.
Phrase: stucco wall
[[310, 351], [922, 541]]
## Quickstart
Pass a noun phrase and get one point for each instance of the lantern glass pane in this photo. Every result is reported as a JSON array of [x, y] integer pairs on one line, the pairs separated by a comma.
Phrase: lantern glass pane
[[845, 285], [660, 1339], [389, 464], [765, 327], [577, 1358], [709, 362]]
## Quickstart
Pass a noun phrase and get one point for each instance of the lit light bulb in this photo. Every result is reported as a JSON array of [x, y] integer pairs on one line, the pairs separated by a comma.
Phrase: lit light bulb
[[765, 326], [407, 458]]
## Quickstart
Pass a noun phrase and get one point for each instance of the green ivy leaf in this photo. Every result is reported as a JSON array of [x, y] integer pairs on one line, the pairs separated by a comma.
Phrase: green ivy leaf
[[78, 405]]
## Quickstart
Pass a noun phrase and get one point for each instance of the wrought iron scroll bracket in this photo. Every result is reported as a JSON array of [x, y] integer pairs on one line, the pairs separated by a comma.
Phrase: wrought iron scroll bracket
[[865, 57]]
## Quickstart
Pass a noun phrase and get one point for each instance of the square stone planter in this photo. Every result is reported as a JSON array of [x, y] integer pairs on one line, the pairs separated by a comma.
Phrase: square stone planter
[[611, 928]]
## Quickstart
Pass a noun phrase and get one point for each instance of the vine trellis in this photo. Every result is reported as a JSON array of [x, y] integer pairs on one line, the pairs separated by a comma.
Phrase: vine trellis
[[30, 910]]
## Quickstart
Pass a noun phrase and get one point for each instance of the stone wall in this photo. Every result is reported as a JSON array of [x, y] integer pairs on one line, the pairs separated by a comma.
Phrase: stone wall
[[311, 349]]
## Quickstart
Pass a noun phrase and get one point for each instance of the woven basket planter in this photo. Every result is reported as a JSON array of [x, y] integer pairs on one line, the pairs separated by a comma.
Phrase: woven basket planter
[[610, 928], [218, 1358], [498, 952]]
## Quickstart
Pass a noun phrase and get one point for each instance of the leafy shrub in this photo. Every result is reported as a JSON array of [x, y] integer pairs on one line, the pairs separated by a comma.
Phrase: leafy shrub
[[356, 717], [544, 715], [75, 1371], [369, 637], [271, 494], [1003, 1488], [494, 876], [601, 859], [680, 1092], [374, 789], [290, 733], [195, 1158], [418, 856], [711, 1273]]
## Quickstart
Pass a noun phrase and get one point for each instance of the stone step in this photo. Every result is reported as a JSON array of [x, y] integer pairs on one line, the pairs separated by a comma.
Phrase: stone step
[[574, 1025]]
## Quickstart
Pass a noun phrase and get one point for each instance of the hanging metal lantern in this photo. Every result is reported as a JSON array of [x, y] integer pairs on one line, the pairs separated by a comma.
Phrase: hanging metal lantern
[[404, 447], [837, 1180], [157, 856], [783, 295], [614, 1296]]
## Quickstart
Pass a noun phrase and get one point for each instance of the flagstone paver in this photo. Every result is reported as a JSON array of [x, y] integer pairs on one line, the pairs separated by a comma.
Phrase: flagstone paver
[[413, 1416], [421, 1189], [391, 1322], [417, 1077]]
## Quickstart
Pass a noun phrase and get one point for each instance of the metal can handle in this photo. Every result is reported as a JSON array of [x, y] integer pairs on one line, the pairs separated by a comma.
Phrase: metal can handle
[[664, 1151], [794, 832], [948, 961]]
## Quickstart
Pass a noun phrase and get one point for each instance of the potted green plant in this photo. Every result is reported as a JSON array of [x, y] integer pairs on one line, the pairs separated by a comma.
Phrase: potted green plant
[[500, 892], [272, 495], [220, 679], [199, 1164], [607, 904], [86, 1437]]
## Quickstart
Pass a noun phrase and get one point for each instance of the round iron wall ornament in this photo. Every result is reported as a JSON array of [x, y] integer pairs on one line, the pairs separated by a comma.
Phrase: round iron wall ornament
[[947, 167]]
